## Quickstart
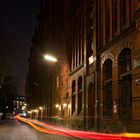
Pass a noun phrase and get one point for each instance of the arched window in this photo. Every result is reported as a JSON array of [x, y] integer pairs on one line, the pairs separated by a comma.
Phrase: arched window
[[125, 61], [73, 96], [107, 97], [79, 94], [125, 84], [91, 105]]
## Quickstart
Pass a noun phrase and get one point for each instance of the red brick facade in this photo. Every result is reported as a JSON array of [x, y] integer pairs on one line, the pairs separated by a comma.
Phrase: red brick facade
[[97, 78]]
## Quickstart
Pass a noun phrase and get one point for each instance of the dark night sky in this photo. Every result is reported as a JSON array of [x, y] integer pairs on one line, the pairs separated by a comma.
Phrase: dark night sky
[[17, 22]]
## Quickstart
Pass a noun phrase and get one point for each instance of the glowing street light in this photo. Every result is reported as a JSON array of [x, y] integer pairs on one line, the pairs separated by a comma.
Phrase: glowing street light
[[50, 58], [40, 108], [64, 105], [57, 105], [36, 110]]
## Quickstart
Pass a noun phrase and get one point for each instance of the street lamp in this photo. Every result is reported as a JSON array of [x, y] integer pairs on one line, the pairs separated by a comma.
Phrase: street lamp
[[40, 112], [57, 105], [50, 58], [64, 105], [53, 59], [40, 108]]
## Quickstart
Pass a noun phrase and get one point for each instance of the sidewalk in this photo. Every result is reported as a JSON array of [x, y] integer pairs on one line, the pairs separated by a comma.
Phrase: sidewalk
[[133, 126], [121, 127]]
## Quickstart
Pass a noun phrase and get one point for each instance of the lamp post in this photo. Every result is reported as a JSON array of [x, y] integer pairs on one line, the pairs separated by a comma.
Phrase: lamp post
[[52, 59], [57, 106], [37, 90], [40, 112]]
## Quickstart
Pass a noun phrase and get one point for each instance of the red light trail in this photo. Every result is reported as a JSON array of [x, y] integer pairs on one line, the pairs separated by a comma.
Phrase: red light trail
[[50, 129]]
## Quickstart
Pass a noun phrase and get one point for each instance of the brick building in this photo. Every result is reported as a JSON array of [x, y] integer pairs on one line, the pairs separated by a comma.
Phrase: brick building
[[96, 80]]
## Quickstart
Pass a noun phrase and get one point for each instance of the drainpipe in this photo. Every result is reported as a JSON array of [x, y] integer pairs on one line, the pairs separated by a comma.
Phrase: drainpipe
[[84, 102], [97, 67]]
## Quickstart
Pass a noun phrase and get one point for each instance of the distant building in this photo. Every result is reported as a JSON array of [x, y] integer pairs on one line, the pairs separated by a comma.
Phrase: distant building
[[96, 82], [19, 104]]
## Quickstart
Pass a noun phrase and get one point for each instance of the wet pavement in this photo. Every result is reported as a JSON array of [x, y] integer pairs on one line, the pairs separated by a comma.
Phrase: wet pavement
[[12, 129]]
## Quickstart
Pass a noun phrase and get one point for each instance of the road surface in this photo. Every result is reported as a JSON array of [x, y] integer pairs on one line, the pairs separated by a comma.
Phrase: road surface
[[12, 129]]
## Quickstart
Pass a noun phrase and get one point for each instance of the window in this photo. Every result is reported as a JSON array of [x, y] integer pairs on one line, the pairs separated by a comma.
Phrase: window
[[125, 61], [91, 105], [115, 15], [90, 28], [126, 86], [123, 12], [73, 96], [77, 42], [107, 71], [79, 94], [107, 20], [125, 76]]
